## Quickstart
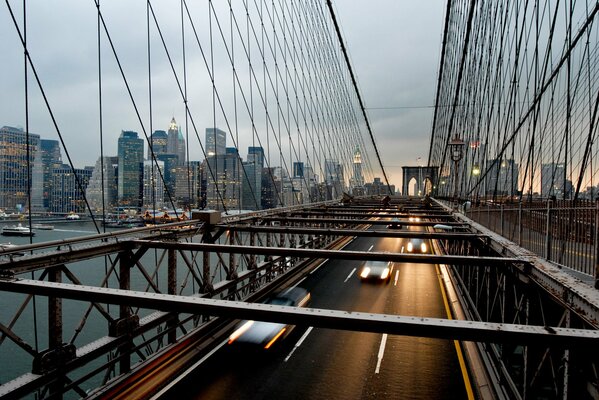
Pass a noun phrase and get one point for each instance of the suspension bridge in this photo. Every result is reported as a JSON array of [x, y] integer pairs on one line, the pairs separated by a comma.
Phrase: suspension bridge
[[296, 270]]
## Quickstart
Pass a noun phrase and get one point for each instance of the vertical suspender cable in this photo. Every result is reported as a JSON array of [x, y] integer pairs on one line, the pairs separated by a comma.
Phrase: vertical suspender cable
[[351, 73]]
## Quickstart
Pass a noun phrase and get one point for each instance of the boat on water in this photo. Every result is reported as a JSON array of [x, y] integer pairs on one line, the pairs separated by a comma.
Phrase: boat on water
[[45, 227], [17, 230]]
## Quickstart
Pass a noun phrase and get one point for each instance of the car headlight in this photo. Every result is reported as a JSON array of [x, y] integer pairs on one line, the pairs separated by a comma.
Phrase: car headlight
[[385, 273], [365, 272], [410, 247], [240, 331]]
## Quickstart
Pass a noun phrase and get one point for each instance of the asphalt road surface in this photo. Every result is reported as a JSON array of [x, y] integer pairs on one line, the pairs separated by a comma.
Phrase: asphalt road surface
[[329, 364]]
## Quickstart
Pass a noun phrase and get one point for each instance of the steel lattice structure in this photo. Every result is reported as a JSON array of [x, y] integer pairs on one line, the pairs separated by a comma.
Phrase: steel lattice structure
[[518, 86]]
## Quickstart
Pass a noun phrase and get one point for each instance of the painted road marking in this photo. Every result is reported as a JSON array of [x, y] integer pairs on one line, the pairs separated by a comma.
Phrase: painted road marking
[[299, 342], [381, 352], [396, 278], [370, 247], [350, 274]]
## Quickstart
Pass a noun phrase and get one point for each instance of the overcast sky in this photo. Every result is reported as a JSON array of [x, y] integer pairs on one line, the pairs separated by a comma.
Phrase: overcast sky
[[394, 47]]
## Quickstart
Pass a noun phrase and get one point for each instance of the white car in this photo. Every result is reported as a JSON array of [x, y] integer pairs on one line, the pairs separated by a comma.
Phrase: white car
[[417, 246], [378, 271], [265, 334]]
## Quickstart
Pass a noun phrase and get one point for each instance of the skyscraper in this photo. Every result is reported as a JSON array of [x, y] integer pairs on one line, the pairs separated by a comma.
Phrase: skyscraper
[[216, 142], [108, 187], [131, 154], [153, 186], [298, 169], [358, 178], [20, 173], [256, 155], [51, 158], [175, 141], [215, 167], [159, 141], [67, 193]]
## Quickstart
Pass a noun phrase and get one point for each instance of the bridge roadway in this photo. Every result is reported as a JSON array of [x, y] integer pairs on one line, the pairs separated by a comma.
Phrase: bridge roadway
[[324, 363]]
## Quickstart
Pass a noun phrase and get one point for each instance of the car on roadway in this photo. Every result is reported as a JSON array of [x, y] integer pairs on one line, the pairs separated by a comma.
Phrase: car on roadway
[[266, 334], [395, 223], [417, 245], [376, 271]]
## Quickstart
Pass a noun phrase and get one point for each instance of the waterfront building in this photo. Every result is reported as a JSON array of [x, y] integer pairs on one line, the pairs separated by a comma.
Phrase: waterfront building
[[153, 185], [130, 170], [103, 182], [51, 158], [187, 183], [21, 173], [68, 187]]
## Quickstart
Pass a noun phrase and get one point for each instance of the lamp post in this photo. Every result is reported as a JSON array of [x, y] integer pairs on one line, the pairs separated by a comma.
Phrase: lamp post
[[456, 148], [420, 185]]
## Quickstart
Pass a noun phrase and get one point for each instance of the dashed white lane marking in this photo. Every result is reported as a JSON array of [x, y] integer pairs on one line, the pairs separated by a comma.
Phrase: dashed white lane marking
[[299, 342], [396, 278], [350, 274], [381, 352]]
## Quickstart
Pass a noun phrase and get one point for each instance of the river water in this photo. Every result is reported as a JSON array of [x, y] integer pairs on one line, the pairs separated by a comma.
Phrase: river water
[[32, 325]]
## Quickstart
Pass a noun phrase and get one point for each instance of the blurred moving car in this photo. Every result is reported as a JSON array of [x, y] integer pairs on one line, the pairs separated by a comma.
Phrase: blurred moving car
[[394, 224], [378, 271], [416, 245], [266, 334], [414, 219]]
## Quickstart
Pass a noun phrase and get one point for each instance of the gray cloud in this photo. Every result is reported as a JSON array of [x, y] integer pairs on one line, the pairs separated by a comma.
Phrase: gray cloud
[[394, 47]]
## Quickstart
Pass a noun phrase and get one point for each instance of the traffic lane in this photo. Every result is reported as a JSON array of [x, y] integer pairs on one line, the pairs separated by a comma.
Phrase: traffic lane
[[227, 373], [333, 363], [375, 365]]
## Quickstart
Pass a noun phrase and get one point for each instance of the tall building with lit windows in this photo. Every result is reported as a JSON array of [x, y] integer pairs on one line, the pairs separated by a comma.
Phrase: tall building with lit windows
[[216, 142], [103, 183], [175, 142], [357, 180], [153, 185], [131, 157], [215, 146], [51, 158], [158, 143], [21, 173], [68, 187]]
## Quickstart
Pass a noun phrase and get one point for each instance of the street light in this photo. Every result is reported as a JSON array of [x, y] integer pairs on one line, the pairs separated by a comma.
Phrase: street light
[[456, 148]]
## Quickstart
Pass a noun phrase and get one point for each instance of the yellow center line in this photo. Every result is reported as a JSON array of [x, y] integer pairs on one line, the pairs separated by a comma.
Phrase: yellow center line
[[458, 347]]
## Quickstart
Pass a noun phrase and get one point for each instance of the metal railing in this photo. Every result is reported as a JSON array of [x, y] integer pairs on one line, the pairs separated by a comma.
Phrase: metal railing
[[560, 231]]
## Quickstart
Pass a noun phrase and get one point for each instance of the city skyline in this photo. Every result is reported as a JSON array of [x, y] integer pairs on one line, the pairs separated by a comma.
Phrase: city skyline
[[400, 111]]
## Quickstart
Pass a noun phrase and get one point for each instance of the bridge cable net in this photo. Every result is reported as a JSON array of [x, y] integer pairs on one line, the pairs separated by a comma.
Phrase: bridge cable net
[[266, 76], [515, 120]]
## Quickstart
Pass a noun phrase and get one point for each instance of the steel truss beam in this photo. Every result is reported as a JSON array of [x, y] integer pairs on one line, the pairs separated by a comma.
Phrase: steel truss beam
[[315, 220], [321, 318], [334, 254], [351, 232]]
